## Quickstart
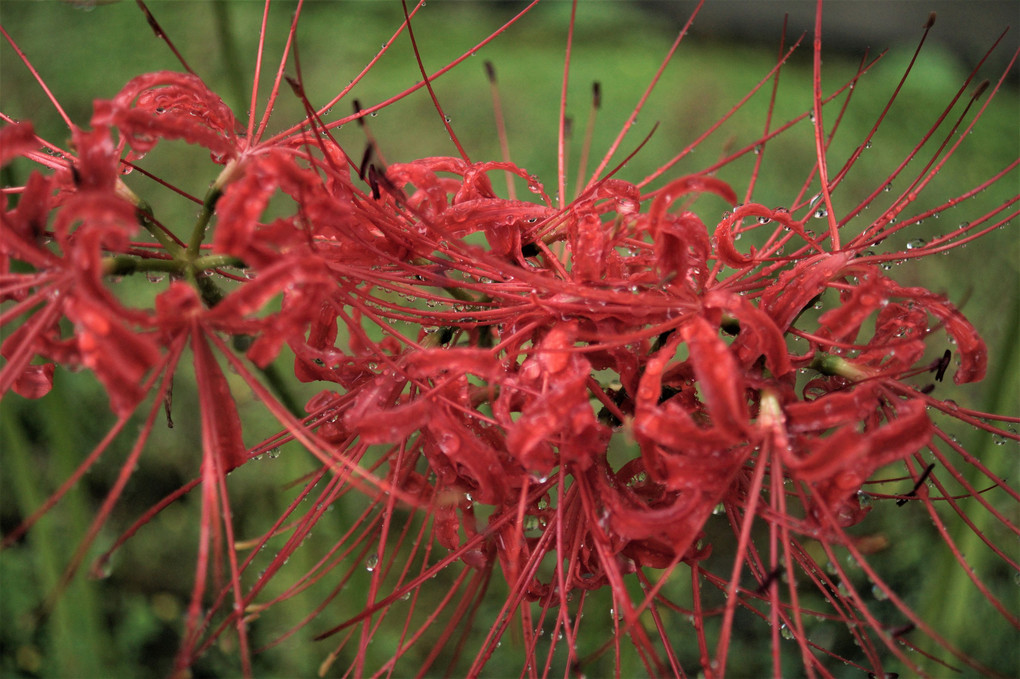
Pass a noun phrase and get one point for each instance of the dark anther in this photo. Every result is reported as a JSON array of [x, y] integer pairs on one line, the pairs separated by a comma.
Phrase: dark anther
[[942, 366], [596, 94], [445, 335], [75, 176], [901, 630], [770, 578], [887, 675], [529, 250], [373, 181], [168, 402], [927, 389], [295, 85], [357, 110], [382, 181], [365, 158], [920, 482], [931, 20], [980, 89], [490, 71], [568, 127]]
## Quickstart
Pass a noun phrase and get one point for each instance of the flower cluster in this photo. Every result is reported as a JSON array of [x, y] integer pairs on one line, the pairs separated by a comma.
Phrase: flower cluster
[[551, 396]]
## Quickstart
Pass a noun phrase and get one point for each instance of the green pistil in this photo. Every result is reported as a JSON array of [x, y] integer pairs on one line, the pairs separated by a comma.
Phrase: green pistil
[[836, 366]]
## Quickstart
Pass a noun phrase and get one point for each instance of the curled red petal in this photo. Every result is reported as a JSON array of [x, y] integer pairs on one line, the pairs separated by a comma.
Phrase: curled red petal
[[35, 382], [970, 347], [696, 183], [681, 250], [169, 105], [758, 334], [98, 159], [435, 362], [719, 376], [791, 292], [467, 460], [834, 409]]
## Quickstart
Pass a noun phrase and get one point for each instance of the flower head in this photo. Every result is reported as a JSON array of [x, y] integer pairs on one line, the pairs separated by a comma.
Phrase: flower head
[[665, 402]]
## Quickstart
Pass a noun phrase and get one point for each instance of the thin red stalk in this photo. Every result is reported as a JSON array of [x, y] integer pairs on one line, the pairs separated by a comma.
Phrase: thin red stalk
[[561, 122], [504, 142], [753, 496], [820, 146], [644, 97], [514, 601], [760, 148], [38, 79], [257, 76], [967, 568], [589, 130], [901, 202], [161, 34], [873, 576], [428, 84], [278, 80]]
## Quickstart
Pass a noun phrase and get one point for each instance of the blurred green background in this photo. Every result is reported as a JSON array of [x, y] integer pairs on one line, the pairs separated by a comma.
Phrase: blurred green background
[[127, 625]]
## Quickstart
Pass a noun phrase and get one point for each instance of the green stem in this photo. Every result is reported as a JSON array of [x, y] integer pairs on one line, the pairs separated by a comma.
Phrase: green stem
[[148, 222], [216, 261], [198, 232], [124, 265]]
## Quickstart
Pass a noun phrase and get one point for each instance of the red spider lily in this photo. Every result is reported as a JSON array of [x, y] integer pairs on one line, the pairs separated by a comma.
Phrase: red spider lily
[[587, 382]]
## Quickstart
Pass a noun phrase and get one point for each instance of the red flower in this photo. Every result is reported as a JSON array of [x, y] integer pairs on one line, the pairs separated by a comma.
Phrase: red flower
[[550, 401]]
